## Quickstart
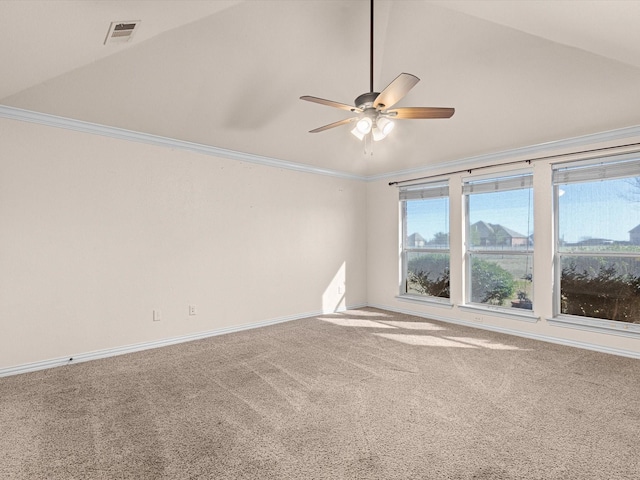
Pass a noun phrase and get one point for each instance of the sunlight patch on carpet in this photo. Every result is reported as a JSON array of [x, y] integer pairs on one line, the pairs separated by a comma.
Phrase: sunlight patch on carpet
[[423, 340], [479, 342], [354, 322], [364, 313], [413, 325]]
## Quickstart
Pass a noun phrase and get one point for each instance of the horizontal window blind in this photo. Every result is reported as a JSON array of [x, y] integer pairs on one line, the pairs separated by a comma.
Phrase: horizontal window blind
[[498, 184], [425, 190], [579, 172]]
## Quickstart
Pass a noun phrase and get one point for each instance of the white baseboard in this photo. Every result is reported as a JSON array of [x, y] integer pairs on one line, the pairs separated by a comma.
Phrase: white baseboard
[[111, 352], [517, 333], [137, 347]]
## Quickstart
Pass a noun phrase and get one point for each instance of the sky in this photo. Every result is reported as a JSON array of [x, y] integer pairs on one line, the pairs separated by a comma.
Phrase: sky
[[606, 209], [428, 217], [512, 209]]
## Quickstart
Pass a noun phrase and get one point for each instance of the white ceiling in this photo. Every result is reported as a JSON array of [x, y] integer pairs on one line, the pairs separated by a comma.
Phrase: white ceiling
[[230, 73]]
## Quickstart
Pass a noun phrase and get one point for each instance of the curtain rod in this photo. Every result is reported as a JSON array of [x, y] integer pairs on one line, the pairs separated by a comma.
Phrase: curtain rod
[[529, 160]]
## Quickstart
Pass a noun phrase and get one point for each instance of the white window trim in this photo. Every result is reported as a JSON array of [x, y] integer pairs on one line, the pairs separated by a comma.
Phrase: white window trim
[[508, 312], [440, 186], [425, 299], [504, 312], [599, 325], [623, 167]]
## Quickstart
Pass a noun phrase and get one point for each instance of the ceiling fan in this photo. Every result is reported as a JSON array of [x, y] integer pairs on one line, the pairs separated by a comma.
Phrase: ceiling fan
[[375, 115]]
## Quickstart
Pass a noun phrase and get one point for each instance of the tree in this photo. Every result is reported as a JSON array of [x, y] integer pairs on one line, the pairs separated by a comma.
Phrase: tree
[[421, 271], [440, 238], [490, 283], [475, 236], [634, 196], [601, 292], [425, 286]]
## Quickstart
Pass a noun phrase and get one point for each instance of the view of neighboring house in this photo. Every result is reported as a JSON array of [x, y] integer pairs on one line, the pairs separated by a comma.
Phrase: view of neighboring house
[[482, 234], [634, 235], [416, 240], [634, 239], [493, 234], [590, 242]]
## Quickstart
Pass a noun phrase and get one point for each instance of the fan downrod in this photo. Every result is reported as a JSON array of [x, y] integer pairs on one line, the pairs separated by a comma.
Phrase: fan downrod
[[375, 106]]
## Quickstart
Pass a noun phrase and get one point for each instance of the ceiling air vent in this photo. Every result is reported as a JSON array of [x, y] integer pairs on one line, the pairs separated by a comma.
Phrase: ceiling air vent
[[121, 32]]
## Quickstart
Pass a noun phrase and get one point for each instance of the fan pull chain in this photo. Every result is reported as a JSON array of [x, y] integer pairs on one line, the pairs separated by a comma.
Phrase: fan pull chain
[[368, 144]]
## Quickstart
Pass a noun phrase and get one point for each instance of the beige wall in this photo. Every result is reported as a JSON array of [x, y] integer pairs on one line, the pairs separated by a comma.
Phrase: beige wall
[[97, 232], [384, 276]]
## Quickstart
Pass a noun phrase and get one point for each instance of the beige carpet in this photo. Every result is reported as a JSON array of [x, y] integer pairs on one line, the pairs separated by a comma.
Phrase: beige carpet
[[366, 394]]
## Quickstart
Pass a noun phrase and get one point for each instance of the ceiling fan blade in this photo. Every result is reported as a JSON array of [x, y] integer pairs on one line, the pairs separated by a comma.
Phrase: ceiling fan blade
[[421, 112], [332, 125], [331, 103], [397, 89]]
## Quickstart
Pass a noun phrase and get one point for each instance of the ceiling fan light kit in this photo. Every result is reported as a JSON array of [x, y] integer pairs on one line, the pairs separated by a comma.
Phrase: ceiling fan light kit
[[382, 129], [373, 118], [364, 125]]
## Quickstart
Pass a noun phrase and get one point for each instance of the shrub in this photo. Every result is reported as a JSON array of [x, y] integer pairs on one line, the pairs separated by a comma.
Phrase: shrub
[[436, 288], [420, 271], [490, 283], [603, 294]]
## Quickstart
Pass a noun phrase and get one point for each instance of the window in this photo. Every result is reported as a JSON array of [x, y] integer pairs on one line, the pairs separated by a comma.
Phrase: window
[[425, 244], [499, 241], [597, 264]]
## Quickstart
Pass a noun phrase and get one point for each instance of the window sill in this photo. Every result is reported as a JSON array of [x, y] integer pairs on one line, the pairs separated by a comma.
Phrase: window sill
[[430, 301], [524, 316], [610, 327]]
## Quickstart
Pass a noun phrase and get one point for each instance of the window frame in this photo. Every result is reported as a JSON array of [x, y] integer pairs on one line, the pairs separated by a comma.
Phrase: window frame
[[617, 167], [410, 193], [480, 184]]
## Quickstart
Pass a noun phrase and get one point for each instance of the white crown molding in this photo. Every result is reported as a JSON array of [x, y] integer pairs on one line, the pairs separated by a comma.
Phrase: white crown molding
[[19, 114], [22, 115], [509, 155]]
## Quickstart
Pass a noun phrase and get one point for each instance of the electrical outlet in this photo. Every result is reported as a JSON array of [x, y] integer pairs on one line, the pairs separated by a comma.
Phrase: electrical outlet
[[157, 315], [478, 318], [192, 310]]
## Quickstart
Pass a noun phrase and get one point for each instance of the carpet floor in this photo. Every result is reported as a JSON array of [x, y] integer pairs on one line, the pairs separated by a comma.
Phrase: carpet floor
[[365, 394]]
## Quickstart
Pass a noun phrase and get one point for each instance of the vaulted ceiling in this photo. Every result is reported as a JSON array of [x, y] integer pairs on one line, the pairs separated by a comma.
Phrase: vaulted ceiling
[[230, 73]]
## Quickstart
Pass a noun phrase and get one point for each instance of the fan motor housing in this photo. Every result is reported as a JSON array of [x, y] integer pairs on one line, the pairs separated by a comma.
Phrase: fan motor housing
[[366, 99]]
